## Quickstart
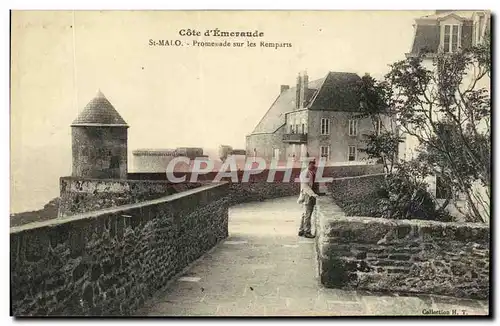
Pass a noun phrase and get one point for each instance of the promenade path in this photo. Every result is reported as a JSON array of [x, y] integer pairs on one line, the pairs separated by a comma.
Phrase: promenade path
[[264, 269]]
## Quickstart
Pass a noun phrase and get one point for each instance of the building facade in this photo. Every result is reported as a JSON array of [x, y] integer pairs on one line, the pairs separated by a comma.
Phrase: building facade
[[449, 31], [315, 119]]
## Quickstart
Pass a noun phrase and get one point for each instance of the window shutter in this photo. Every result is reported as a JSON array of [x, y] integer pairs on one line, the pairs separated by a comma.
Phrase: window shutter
[[466, 37]]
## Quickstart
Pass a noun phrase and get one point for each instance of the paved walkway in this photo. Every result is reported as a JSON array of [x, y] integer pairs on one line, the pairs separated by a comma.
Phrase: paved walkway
[[264, 269]]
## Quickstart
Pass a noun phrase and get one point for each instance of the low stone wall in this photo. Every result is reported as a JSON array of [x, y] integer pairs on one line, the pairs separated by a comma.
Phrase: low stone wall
[[338, 171], [411, 256], [258, 188], [80, 195], [355, 188], [357, 193], [109, 262], [240, 193]]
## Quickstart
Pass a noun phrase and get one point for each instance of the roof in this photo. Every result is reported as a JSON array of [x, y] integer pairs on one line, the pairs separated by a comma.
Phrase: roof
[[441, 14], [191, 152], [99, 112], [285, 102], [426, 39], [333, 92], [238, 152], [339, 92], [154, 152], [427, 31]]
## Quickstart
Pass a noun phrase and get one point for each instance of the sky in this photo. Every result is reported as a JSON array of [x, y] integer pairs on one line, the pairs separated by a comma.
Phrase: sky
[[172, 96]]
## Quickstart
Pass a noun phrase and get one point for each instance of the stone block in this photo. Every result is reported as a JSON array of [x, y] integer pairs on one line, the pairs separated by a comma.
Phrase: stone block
[[80, 271], [35, 246], [399, 256]]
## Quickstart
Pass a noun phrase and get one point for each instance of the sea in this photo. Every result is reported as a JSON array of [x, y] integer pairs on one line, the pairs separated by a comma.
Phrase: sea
[[34, 176]]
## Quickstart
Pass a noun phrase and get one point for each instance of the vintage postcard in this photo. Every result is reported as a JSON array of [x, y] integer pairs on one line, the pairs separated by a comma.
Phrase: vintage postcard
[[250, 163]]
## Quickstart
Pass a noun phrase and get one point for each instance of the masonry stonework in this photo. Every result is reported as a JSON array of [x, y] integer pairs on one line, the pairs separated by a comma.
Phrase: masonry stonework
[[110, 261], [408, 256], [338, 138], [258, 189], [99, 152], [359, 193], [80, 195]]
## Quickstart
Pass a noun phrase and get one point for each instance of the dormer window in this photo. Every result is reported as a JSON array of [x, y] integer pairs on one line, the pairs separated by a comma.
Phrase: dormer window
[[451, 38], [448, 32]]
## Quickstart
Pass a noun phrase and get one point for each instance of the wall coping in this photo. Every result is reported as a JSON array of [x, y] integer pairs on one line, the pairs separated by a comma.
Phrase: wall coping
[[359, 176], [111, 210], [71, 178], [329, 211]]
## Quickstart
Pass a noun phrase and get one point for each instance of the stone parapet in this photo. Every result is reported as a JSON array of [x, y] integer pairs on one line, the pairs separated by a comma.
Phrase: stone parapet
[[109, 262], [412, 256]]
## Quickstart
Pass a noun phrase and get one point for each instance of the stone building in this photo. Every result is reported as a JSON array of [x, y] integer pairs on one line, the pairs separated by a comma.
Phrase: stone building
[[239, 157], [316, 119], [155, 160], [99, 141], [146, 160]]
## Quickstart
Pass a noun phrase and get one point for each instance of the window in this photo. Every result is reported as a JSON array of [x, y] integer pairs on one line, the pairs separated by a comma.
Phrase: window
[[114, 163], [352, 153], [303, 151], [451, 38], [303, 128], [325, 126], [325, 152], [276, 153], [353, 127], [378, 126]]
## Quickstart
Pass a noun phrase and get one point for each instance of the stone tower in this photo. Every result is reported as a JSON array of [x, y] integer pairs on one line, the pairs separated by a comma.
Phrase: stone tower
[[99, 141]]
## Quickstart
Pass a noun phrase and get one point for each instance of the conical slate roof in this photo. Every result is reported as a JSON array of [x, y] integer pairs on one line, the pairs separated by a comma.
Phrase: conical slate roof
[[99, 112]]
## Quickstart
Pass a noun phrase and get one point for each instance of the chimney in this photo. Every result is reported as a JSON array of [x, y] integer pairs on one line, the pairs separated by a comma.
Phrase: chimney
[[284, 88], [304, 88], [299, 92], [305, 80]]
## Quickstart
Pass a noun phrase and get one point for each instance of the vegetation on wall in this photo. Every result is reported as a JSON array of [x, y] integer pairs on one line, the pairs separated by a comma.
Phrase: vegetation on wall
[[443, 108]]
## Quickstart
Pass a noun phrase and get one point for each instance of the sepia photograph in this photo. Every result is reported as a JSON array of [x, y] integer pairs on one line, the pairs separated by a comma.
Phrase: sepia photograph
[[250, 163]]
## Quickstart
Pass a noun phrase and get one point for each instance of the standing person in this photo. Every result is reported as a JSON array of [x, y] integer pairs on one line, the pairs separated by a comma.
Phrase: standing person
[[309, 189]]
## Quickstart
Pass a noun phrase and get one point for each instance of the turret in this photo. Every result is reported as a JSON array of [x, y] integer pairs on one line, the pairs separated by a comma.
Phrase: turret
[[99, 141]]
